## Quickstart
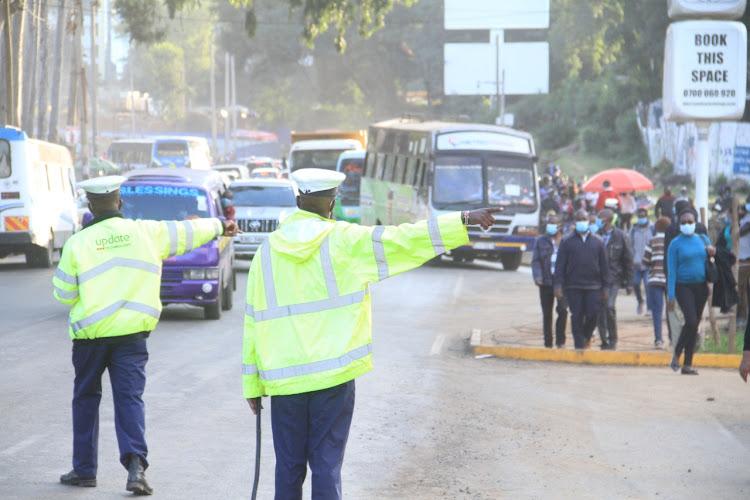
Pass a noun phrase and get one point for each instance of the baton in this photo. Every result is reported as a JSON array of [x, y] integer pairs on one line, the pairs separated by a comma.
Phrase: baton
[[257, 452]]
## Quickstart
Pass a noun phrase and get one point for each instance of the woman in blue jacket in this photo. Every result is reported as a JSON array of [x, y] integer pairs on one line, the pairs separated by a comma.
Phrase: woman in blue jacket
[[686, 282], [543, 271]]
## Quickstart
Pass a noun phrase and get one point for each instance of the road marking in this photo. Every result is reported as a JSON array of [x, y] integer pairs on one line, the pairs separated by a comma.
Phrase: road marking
[[458, 288], [437, 346], [12, 450]]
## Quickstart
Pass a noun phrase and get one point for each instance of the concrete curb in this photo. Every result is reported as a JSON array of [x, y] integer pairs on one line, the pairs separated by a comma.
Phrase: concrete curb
[[594, 357]]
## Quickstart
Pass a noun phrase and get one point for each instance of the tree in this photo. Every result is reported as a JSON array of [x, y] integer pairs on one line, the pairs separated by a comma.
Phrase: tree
[[145, 20], [161, 72]]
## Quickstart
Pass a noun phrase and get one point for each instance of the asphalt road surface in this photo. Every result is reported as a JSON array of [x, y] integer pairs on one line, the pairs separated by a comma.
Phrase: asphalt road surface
[[431, 421]]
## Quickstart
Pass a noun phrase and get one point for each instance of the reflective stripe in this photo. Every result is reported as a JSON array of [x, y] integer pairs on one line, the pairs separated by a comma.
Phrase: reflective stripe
[[328, 274], [317, 366], [379, 250], [437, 240], [110, 310], [65, 277], [249, 369], [309, 307], [270, 288], [65, 294], [118, 262], [249, 311], [172, 227], [188, 235]]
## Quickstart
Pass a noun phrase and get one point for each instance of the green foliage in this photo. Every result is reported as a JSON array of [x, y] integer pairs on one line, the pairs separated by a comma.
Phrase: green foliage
[[164, 63], [554, 134], [722, 347]]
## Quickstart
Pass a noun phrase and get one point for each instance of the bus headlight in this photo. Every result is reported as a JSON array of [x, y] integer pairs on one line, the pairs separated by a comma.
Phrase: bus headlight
[[200, 274]]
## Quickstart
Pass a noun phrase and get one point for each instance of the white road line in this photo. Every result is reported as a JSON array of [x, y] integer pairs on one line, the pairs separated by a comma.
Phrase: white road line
[[458, 288], [437, 346], [12, 450]]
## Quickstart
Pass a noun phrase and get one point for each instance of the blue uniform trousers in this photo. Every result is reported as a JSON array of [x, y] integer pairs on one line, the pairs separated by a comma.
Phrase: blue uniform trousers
[[311, 427], [126, 363], [584, 313]]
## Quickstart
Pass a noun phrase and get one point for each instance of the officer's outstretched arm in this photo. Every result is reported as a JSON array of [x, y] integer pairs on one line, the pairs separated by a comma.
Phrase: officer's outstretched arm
[[180, 237]]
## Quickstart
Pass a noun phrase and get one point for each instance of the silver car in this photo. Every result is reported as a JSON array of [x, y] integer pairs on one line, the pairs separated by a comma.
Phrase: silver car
[[260, 206]]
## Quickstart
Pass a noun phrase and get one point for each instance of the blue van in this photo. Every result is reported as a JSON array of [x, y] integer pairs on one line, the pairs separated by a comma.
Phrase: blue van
[[205, 276]]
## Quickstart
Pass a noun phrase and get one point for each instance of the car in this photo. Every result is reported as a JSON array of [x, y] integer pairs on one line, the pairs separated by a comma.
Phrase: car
[[205, 276], [232, 171], [265, 173], [260, 206]]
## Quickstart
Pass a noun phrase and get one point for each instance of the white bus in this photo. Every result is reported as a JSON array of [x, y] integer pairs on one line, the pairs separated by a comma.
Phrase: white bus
[[163, 151], [416, 169], [38, 209], [130, 154]]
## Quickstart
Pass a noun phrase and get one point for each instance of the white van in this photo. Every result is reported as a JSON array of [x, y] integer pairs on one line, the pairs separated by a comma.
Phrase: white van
[[38, 209], [322, 153]]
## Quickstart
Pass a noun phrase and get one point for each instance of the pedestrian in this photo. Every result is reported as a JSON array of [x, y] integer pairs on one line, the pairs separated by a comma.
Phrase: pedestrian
[[665, 204], [606, 194], [582, 277], [743, 274], [308, 329], [653, 261], [686, 282], [745, 362], [110, 272], [627, 210], [226, 204], [684, 196], [620, 267], [543, 271], [640, 234]]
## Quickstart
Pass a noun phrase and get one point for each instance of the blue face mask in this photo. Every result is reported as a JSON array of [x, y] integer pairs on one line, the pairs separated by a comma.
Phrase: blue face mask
[[687, 229], [747, 207], [551, 228], [599, 223], [642, 221], [582, 226], [593, 228]]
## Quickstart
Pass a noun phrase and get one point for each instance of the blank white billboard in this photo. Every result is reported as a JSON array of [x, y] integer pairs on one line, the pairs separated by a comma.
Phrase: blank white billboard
[[470, 68], [496, 14]]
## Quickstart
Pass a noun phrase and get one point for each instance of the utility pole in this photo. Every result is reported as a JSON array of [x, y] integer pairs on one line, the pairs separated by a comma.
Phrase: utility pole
[[234, 109], [213, 103], [56, 74], [94, 83], [131, 93], [10, 88], [41, 124], [225, 115], [84, 111], [72, 28]]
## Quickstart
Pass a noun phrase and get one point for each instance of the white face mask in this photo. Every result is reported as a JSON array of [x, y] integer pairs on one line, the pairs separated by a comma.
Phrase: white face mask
[[687, 229]]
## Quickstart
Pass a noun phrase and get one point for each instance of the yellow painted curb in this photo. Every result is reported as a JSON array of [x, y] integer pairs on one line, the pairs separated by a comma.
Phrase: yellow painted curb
[[608, 357]]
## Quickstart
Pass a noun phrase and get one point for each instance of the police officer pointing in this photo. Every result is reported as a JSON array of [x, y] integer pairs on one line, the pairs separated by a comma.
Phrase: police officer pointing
[[110, 273], [308, 327]]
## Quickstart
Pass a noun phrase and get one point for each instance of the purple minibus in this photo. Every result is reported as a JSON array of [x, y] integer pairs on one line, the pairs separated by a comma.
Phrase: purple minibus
[[203, 277]]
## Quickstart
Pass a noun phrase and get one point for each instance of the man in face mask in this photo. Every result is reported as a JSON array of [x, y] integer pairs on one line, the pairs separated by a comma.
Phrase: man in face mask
[[620, 265], [543, 265], [640, 234], [582, 276], [744, 268]]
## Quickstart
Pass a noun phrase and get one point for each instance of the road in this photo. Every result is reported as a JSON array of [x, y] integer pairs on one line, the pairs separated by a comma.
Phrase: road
[[431, 421]]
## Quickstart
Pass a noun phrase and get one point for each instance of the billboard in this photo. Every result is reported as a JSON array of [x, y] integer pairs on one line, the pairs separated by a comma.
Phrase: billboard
[[471, 68], [496, 14]]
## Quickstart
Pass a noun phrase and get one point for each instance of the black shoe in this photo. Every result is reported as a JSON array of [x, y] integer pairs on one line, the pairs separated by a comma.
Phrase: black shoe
[[675, 363], [686, 370], [137, 477], [73, 479]]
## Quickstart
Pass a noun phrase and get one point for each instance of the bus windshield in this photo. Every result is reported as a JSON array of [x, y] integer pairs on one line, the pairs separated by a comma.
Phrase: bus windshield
[[349, 189], [127, 155], [4, 159], [508, 182], [171, 148], [318, 158], [458, 182], [263, 196], [163, 202]]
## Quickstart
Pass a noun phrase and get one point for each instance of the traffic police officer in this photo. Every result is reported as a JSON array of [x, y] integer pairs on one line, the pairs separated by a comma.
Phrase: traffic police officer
[[308, 326], [110, 273]]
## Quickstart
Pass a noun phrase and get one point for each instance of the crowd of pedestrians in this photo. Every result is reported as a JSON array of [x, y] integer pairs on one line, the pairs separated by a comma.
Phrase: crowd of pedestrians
[[591, 250]]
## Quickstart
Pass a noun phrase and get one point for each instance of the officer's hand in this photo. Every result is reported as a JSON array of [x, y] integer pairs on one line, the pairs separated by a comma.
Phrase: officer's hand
[[483, 217], [745, 365], [670, 305], [230, 228], [254, 403]]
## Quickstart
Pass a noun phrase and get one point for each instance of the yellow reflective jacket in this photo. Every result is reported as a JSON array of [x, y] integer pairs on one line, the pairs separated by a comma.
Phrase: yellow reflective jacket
[[111, 272], [308, 322]]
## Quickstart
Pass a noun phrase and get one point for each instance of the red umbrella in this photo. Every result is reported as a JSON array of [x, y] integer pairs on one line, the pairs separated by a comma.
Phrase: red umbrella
[[622, 180]]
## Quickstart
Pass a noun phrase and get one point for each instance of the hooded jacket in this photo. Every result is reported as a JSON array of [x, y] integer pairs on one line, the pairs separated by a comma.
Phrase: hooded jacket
[[308, 319]]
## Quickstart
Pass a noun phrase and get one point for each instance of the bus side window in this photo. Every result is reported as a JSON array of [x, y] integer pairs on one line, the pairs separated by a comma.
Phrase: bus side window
[[421, 168], [410, 171], [55, 180], [369, 165], [389, 164], [381, 166]]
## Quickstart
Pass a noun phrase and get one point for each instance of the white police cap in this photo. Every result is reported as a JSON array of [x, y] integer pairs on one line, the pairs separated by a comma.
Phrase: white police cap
[[316, 181], [102, 185]]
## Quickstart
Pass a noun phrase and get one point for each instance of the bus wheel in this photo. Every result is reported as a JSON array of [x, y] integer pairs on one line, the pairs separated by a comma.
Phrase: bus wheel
[[213, 311], [511, 261], [228, 296], [44, 259]]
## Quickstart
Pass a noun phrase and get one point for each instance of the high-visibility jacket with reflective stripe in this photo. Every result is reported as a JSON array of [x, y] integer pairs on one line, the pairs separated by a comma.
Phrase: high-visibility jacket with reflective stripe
[[111, 272], [308, 320]]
